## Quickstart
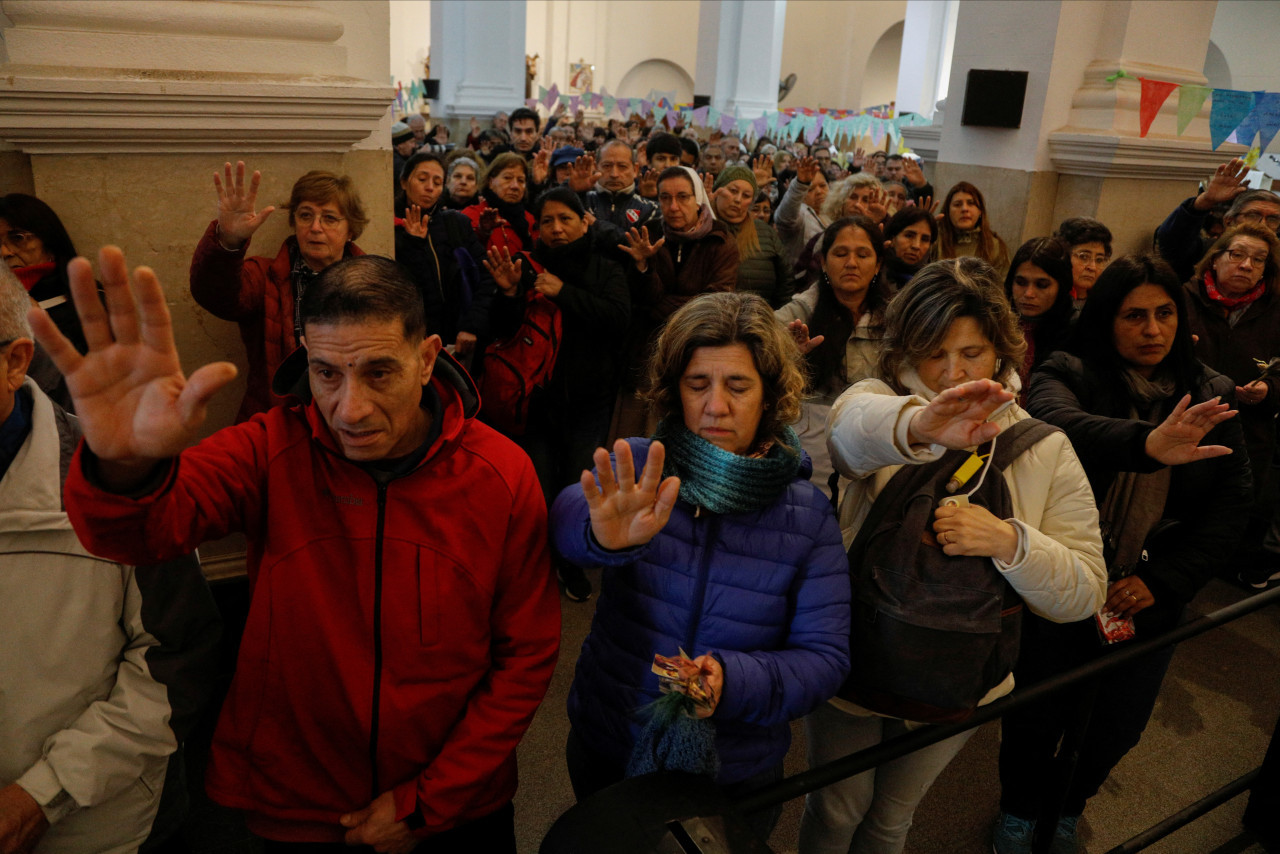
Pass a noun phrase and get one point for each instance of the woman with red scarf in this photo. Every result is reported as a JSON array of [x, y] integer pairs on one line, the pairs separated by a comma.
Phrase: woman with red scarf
[[1235, 313], [36, 247]]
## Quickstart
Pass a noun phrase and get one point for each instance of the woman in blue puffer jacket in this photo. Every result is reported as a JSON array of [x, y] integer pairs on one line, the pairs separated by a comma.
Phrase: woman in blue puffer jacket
[[734, 557]]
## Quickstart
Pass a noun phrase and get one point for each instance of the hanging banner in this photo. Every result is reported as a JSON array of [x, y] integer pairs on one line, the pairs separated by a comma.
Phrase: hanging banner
[[659, 113], [700, 116], [1230, 106], [1154, 94]]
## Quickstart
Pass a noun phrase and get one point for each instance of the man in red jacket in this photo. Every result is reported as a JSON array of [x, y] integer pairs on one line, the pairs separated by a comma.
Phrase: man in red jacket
[[404, 623]]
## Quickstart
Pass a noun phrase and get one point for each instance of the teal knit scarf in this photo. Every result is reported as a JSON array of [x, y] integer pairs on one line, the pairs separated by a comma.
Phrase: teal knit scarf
[[724, 482]]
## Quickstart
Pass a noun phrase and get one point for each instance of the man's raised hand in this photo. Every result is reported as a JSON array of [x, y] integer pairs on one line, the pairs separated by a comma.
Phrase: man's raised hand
[[237, 218], [625, 512], [135, 405]]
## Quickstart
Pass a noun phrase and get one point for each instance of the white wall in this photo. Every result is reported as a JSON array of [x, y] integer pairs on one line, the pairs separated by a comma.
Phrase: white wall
[[1246, 31], [827, 44], [991, 34], [410, 38]]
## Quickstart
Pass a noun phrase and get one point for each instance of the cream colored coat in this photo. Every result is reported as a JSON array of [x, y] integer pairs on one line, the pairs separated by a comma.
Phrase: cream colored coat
[[1058, 568]]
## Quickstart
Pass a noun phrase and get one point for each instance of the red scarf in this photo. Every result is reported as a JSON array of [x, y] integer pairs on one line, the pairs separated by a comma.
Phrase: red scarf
[[1231, 303], [31, 275]]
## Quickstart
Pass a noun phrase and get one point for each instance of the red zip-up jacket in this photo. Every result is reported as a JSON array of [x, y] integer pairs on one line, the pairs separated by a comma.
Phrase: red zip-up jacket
[[398, 637]]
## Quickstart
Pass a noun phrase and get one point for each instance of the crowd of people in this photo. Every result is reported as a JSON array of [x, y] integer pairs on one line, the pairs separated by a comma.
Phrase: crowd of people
[[828, 398]]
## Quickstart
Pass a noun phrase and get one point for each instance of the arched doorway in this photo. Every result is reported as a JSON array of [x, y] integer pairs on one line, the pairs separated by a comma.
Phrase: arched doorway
[[656, 74]]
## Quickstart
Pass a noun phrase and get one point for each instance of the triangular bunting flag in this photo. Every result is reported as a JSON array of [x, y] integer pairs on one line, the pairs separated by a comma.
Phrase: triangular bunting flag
[[1154, 94], [646, 107], [727, 122], [596, 101], [700, 116], [760, 127], [1264, 119], [672, 118], [1190, 100], [659, 113], [713, 117], [1230, 106], [574, 103]]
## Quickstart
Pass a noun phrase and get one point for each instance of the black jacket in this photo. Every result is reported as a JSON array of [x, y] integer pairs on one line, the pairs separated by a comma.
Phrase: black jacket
[[434, 263], [1208, 499], [595, 310]]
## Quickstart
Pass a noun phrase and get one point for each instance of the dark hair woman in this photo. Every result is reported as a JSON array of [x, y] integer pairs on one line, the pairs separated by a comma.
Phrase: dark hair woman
[[1171, 477], [441, 252], [1038, 286], [964, 230], [1089, 244], [767, 613], [838, 322], [570, 418], [909, 237], [501, 218], [35, 245], [951, 349], [1234, 307]]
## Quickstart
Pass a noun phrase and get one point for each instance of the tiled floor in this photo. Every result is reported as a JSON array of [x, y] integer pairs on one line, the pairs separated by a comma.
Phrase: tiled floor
[[1211, 724]]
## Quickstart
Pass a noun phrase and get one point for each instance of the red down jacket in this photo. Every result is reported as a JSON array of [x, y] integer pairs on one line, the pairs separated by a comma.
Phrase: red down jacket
[[399, 637]]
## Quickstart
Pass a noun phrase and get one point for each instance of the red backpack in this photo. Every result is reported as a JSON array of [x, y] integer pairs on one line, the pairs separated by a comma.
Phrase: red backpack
[[512, 369]]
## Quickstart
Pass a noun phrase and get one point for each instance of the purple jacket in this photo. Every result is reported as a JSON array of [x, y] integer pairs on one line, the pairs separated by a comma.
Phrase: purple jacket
[[767, 591]]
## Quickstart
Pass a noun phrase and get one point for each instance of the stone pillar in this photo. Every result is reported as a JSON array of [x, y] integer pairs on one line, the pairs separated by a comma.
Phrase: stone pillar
[[118, 113], [1078, 152], [477, 54], [740, 54]]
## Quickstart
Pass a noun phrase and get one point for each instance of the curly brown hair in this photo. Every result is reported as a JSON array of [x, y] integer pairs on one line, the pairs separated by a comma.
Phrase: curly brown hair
[[920, 316], [719, 320]]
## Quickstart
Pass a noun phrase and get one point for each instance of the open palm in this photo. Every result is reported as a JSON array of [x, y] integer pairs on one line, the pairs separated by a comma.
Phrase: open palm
[[134, 403], [625, 512], [957, 417]]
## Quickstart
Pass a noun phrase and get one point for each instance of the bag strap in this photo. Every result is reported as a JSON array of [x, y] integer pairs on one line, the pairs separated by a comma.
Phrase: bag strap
[[1017, 438]]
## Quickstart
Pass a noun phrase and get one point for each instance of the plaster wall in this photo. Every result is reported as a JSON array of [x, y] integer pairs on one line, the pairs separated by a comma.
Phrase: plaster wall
[[826, 44], [1245, 31]]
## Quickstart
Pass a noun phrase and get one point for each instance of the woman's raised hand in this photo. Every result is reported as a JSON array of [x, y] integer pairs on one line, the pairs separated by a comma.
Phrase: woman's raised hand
[[806, 169], [237, 218], [1177, 439], [625, 512], [800, 332], [505, 272], [762, 166], [639, 247], [134, 403], [957, 417], [415, 223]]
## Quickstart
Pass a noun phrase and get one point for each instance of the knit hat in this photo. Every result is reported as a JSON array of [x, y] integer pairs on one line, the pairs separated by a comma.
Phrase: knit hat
[[400, 132], [737, 173]]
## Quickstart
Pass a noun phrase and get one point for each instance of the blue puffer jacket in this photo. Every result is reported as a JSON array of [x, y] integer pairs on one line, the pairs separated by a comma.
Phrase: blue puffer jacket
[[768, 592]]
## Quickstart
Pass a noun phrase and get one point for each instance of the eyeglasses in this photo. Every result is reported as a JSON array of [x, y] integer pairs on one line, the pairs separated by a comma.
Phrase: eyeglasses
[[17, 240], [678, 198], [1258, 218], [1237, 256], [1084, 256], [328, 221]]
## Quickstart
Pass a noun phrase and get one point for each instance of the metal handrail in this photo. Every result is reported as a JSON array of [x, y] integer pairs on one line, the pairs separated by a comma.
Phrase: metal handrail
[[855, 763]]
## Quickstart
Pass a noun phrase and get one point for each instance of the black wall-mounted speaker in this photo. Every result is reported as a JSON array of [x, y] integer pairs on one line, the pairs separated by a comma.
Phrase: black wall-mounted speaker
[[431, 88], [994, 99]]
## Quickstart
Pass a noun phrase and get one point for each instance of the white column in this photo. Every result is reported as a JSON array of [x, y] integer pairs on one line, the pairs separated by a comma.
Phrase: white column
[[477, 54], [928, 34], [740, 54]]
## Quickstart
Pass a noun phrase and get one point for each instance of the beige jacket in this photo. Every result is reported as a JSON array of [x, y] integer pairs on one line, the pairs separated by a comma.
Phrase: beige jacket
[[1058, 568]]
